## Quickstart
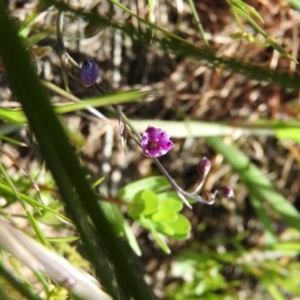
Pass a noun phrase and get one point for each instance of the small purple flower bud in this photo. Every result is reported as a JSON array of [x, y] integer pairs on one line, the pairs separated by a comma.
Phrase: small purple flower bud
[[89, 72], [226, 191], [204, 166], [156, 142]]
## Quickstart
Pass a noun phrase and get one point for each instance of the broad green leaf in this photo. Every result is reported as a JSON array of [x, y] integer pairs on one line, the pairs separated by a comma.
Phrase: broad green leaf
[[181, 226], [148, 224], [144, 203], [173, 204], [164, 215], [181, 237], [150, 201], [164, 228], [155, 184], [136, 208]]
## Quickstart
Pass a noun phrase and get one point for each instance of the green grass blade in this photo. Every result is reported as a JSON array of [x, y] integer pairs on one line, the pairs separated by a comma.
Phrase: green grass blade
[[34, 39], [31, 219], [183, 129], [5, 189], [173, 43], [17, 116], [270, 236], [198, 22], [65, 167], [66, 239], [119, 98], [289, 129], [258, 185], [18, 285], [12, 141], [274, 291], [12, 116]]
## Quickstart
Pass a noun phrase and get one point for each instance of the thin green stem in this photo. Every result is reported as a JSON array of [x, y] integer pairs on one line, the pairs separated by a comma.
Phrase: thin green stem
[[29, 215], [198, 23]]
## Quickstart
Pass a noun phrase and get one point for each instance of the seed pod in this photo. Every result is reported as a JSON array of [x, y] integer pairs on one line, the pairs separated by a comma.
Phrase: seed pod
[[226, 191], [89, 72], [204, 166]]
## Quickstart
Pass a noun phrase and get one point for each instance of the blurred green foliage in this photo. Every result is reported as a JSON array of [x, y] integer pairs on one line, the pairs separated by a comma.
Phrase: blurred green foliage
[[203, 270]]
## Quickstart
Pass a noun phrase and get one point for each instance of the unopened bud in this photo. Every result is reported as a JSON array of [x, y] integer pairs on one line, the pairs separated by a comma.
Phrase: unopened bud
[[89, 72], [204, 166], [226, 192]]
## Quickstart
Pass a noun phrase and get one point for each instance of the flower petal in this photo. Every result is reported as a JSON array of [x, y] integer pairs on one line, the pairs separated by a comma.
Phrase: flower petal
[[89, 72], [155, 142]]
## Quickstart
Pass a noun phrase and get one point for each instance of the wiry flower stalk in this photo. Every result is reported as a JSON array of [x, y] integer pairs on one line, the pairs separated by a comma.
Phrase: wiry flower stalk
[[154, 143]]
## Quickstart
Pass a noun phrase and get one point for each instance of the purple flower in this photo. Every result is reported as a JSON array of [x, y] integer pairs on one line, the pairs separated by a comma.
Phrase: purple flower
[[89, 72], [156, 142]]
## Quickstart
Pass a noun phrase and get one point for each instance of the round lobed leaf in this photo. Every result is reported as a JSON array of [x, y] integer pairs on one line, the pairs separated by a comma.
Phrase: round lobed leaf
[[164, 229], [144, 203], [181, 226], [164, 215], [154, 183], [136, 208], [172, 204]]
